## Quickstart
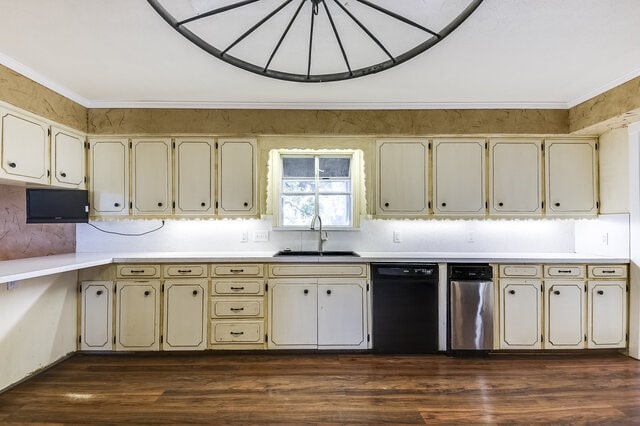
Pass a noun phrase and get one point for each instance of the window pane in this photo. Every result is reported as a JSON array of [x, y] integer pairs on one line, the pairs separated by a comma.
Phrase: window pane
[[298, 210], [298, 186], [335, 210], [333, 167], [334, 186], [298, 166]]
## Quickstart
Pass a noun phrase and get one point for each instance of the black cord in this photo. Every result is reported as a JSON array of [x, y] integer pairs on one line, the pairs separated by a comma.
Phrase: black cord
[[127, 235]]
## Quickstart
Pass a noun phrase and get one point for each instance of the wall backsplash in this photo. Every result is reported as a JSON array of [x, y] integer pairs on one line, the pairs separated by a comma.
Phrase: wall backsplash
[[19, 240]]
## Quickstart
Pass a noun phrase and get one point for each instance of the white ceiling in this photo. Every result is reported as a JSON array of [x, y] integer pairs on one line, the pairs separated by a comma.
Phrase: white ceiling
[[508, 54]]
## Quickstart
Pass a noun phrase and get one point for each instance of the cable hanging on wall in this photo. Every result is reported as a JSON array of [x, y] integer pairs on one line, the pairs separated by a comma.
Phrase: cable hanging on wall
[[315, 40]]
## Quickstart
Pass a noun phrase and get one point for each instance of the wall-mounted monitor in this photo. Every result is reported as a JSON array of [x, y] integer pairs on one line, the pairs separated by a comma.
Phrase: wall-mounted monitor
[[57, 205]]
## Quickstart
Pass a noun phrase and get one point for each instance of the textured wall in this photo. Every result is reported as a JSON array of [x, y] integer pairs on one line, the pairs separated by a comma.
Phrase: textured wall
[[24, 93], [19, 240], [321, 122]]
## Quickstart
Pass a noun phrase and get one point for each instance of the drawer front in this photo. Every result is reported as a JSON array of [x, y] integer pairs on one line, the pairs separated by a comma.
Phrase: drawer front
[[246, 270], [226, 287], [146, 271], [576, 271], [604, 271], [315, 270], [223, 332], [185, 270], [231, 307], [507, 271]]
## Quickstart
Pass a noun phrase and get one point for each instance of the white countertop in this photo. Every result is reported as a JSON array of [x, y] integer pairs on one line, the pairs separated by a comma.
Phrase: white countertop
[[22, 269]]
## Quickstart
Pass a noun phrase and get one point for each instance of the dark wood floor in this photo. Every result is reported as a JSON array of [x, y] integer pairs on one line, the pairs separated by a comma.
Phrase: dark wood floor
[[328, 388]]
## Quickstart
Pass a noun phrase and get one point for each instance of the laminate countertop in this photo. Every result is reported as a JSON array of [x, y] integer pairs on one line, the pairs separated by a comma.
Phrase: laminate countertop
[[22, 269]]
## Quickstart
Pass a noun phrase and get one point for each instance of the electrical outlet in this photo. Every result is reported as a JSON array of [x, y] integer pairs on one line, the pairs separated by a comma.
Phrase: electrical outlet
[[261, 236], [244, 237], [396, 236], [12, 285], [471, 238]]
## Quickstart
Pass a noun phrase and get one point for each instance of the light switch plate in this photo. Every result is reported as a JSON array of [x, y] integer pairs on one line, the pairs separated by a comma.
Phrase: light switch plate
[[261, 236]]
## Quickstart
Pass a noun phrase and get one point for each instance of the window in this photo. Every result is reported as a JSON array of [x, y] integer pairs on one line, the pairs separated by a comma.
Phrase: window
[[316, 184]]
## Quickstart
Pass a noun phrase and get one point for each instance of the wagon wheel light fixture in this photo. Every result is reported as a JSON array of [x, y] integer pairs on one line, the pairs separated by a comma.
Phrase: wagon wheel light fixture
[[315, 40]]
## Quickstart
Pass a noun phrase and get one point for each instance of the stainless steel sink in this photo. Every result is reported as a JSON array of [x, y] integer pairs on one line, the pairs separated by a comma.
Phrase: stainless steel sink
[[316, 253]]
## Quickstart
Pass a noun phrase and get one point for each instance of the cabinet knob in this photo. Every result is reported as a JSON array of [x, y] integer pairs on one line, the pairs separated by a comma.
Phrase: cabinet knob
[[329, 292], [203, 204], [159, 204], [600, 292], [146, 293], [444, 204], [556, 292], [512, 292], [99, 292], [386, 204], [306, 291], [12, 165], [116, 204], [500, 204], [63, 174], [557, 204], [246, 204], [195, 292]]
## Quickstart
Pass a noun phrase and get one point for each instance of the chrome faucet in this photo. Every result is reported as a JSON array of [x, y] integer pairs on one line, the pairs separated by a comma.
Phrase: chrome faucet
[[321, 238]]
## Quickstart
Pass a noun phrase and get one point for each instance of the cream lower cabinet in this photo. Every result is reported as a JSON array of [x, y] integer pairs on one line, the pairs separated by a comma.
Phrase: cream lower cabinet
[[342, 314], [138, 315], [293, 313], [96, 316], [565, 314], [520, 314], [607, 291], [185, 314]]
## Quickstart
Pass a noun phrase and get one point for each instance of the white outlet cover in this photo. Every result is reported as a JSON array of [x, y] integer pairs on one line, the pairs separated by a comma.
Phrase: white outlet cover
[[261, 236]]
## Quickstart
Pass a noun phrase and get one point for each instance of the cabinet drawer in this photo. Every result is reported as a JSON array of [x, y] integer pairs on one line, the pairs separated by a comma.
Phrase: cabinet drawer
[[246, 270], [146, 271], [315, 270], [576, 271], [232, 307], [237, 332], [507, 271], [185, 271], [604, 271], [251, 287]]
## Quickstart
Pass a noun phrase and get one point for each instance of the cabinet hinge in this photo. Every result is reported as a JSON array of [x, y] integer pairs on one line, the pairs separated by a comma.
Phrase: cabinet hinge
[[161, 339], [216, 204], [115, 288], [429, 145], [86, 145], [626, 337], [266, 337], [130, 205], [48, 173], [542, 338], [368, 337], [114, 340], [174, 204], [130, 145], [173, 145], [486, 205], [162, 289], [542, 204], [367, 286], [597, 204], [80, 339], [216, 145], [266, 286], [585, 337], [429, 204], [85, 179], [486, 145], [585, 288], [596, 147], [627, 288], [79, 289], [49, 131]]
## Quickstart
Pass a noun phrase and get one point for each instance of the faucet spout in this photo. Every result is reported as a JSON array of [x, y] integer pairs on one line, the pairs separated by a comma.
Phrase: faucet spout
[[321, 238]]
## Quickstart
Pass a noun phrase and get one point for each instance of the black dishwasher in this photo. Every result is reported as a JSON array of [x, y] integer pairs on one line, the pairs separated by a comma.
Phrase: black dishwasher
[[405, 308]]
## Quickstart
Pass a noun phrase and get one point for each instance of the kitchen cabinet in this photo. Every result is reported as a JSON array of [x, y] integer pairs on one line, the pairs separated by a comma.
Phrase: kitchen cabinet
[[237, 177], [68, 158], [151, 176], [342, 314], [25, 147], [515, 177], [109, 176], [571, 177], [459, 177], [96, 316], [520, 313], [185, 314], [138, 315], [194, 176], [565, 314], [607, 314], [293, 313], [402, 177]]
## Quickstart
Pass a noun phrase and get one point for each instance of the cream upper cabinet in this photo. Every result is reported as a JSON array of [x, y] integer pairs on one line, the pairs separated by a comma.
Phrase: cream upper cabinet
[[402, 177], [109, 176], [342, 313], [25, 148], [237, 177], [520, 314], [151, 176], [459, 177], [607, 316], [185, 314], [67, 158], [515, 177], [293, 313], [194, 176], [96, 316], [138, 315], [565, 314], [571, 177]]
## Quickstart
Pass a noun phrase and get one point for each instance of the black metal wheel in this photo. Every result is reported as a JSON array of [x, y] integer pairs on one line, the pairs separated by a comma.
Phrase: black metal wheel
[[315, 40]]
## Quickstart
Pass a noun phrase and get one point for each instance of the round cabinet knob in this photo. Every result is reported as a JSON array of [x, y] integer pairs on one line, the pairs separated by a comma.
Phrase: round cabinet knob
[[444, 204], [246, 204], [203, 204], [12, 165], [556, 292], [329, 292], [195, 292], [512, 292], [116, 204], [386, 204], [159, 204], [557, 204], [600, 292], [63, 174], [500, 204], [146, 293], [306, 291], [99, 292]]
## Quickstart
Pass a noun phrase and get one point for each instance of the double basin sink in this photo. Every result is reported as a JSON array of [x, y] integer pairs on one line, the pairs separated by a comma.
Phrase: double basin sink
[[342, 253]]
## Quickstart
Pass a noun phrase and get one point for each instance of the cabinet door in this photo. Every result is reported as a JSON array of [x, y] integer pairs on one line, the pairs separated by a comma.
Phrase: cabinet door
[[342, 314], [607, 321], [138, 315], [68, 161], [571, 177], [109, 177], [565, 315], [237, 177], [515, 176], [96, 316], [402, 177], [293, 313], [520, 314], [459, 177], [185, 314], [25, 148], [151, 177], [194, 178]]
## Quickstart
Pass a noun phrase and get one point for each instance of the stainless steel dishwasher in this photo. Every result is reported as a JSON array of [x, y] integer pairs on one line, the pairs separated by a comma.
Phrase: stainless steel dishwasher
[[471, 301]]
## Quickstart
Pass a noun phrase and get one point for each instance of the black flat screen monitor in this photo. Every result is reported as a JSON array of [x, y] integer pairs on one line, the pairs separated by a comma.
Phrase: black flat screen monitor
[[57, 206]]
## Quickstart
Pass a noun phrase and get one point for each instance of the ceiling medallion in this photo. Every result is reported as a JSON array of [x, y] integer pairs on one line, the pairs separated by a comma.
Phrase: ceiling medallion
[[315, 40]]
